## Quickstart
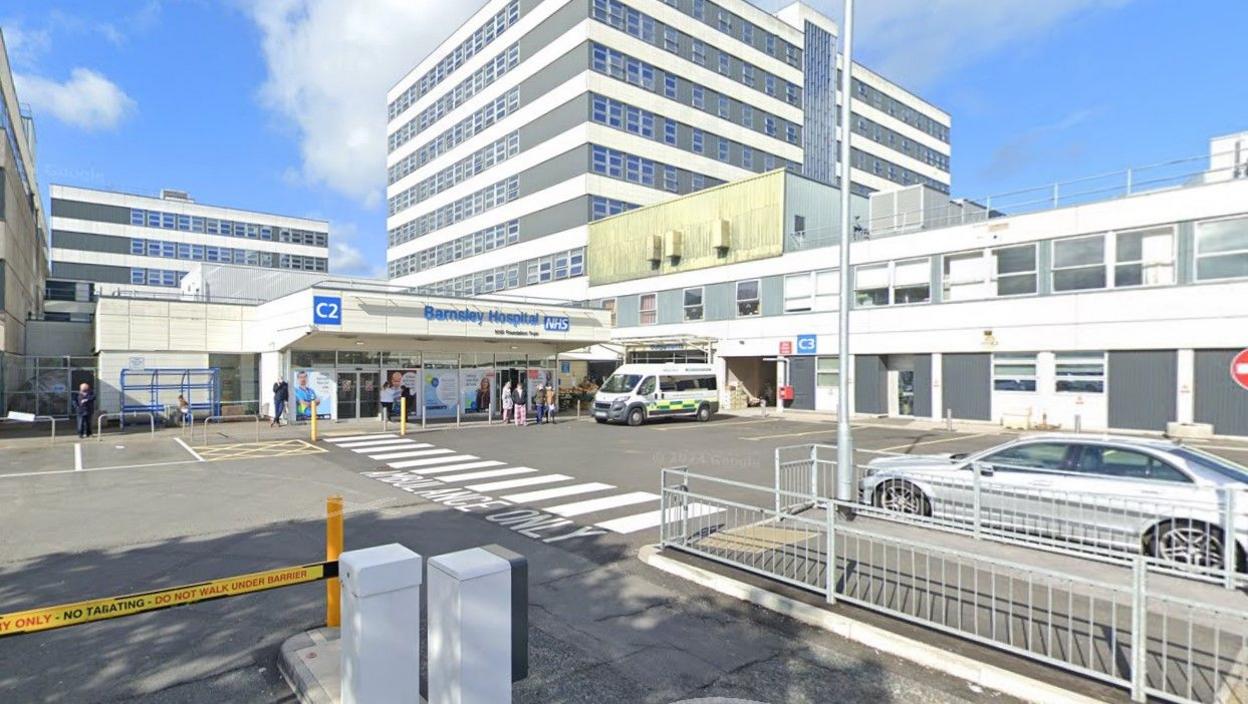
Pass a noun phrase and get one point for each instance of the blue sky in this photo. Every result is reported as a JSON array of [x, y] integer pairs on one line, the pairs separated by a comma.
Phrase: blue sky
[[279, 105]]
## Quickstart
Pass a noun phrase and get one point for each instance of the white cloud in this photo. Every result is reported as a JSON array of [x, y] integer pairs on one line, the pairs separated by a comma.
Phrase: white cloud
[[346, 259], [25, 46], [919, 42], [330, 63], [87, 99]]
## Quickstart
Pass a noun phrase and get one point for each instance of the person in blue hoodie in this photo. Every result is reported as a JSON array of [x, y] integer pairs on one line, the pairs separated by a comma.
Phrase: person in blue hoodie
[[84, 409]]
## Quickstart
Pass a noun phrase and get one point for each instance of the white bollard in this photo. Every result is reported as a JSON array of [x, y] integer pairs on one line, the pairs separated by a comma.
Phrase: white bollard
[[380, 625], [470, 628]]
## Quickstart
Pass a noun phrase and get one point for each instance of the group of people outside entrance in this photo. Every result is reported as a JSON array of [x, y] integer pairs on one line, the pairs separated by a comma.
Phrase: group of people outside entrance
[[515, 406]]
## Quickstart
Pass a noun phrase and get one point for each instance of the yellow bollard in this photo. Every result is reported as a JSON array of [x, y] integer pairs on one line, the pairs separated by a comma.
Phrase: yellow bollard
[[312, 424], [333, 548], [403, 415]]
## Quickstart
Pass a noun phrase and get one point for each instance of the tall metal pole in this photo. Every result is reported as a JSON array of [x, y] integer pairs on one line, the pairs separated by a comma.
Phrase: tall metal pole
[[844, 438]]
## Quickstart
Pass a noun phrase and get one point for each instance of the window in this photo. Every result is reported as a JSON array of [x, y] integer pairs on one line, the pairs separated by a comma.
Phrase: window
[[669, 132], [609, 306], [790, 133], [827, 372], [747, 74], [769, 126], [697, 141], [722, 108], [871, 285], [669, 86], [1036, 455], [670, 41], [965, 276], [1014, 270], [1014, 371], [725, 64], [699, 52], [1080, 372], [747, 158], [747, 32], [696, 182], [747, 298], [811, 291], [693, 304], [699, 9], [138, 276], [912, 281], [747, 116], [1126, 464], [1144, 257], [699, 97], [1079, 263], [725, 22], [647, 387], [723, 154], [1222, 249], [670, 181], [647, 309]]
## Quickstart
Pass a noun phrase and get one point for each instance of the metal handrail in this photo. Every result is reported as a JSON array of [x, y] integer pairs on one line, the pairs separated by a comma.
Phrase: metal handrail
[[99, 422], [34, 419], [208, 421]]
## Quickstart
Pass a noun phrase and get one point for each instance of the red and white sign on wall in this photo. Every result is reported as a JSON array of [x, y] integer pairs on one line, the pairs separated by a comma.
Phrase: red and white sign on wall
[[1239, 368], [786, 347]]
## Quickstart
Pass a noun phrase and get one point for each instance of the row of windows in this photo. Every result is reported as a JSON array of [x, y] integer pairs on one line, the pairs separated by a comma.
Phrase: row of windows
[[466, 128], [1125, 259], [893, 172], [626, 68], [644, 123], [472, 204], [894, 140], [740, 28], [461, 170], [553, 267], [452, 99], [602, 207], [646, 172], [1073, 372], [886, 103], [220, 255], [479, 242], [155, 277], [226, 228], [470, 47], [644, 27]]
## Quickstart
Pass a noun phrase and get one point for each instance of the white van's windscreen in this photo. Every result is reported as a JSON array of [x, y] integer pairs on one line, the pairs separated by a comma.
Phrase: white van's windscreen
[[620, 383]]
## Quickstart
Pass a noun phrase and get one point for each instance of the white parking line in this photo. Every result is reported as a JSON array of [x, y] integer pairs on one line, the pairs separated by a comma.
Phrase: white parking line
[[547, 494], [349, 438], [591, 505], [909, 445], [194, 454], [428, 461], [651, 519], [523, 481], [77, 457], [459, 467], [488, 474]]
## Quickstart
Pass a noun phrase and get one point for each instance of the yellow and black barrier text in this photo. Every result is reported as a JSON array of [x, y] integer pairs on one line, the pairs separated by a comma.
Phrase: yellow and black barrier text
[[80, 612]]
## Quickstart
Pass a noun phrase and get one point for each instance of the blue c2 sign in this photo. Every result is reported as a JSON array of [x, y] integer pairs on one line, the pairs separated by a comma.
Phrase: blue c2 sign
[[807, 344], [326, 310]]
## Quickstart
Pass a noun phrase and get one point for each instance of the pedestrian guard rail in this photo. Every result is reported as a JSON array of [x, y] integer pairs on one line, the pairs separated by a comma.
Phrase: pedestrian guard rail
[[99, 421], [31, 419], [1125, 633], [223, 418]]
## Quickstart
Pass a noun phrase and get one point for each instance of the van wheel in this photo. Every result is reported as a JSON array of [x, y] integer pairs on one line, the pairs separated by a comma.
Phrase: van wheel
[[704, 413], [636, 416]]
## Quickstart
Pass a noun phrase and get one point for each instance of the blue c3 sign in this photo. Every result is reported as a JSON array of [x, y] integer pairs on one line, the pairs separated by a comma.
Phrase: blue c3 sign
[[807, 344], [326, 310]]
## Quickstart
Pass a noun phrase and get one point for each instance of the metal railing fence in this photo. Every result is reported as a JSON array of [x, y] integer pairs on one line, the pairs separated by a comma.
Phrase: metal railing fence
[[802, 475], [1129, 635], [121, 417]]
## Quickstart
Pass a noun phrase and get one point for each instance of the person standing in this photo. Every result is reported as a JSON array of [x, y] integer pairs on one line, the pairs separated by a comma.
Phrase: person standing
[[539, 403], [184, 410], [519, 402], [281, 392], [552, 403], [84, 409], [387, 400], [508, 403]]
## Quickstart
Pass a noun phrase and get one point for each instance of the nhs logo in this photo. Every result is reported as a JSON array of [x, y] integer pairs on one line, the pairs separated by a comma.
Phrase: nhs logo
[[326, 310], [558, 323]]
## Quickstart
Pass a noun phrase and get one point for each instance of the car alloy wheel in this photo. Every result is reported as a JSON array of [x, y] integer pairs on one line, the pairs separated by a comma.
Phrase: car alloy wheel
[[901, 497], [1194, 544]]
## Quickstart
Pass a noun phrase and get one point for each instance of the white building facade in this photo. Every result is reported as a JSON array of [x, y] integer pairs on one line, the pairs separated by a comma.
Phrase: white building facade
[[537, 117], [104, 242], [1122, 314]]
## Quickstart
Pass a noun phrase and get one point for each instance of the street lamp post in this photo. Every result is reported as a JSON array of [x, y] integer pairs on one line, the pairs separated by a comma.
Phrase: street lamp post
[[844, 437]]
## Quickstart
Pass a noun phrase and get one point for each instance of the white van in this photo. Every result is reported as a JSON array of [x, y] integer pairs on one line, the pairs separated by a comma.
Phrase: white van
[[634, 393]]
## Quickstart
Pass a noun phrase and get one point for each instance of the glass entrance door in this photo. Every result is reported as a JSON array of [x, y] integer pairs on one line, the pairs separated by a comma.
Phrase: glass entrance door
[[370, 395], [348, 395], [905, 393]]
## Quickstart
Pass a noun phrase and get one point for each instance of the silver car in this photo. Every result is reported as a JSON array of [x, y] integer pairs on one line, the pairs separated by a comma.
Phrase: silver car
[[1100, 494]]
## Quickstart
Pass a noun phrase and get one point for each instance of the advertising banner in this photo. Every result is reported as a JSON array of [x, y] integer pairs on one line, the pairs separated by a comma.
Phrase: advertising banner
[[406, 382], [311, 385], [478, 390], [441, 392]]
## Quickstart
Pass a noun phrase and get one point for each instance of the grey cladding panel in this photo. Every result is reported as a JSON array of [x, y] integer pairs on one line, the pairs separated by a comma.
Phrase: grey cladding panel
[[99, 273], [671, 307], [771, 291], [870, 384], [556, 218], [923, 385], [2, 269], [553, 27], [1143, 388], [90, 211], [967, 385], [558, 169], [1219, 400], [720, 301], [556, 122], [802, 379], [626, 311], [87, 242], [558, 72]]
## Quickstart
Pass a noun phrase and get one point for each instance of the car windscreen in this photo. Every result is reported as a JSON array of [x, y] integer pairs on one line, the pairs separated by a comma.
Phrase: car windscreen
[[620, 383], [1214, 464]]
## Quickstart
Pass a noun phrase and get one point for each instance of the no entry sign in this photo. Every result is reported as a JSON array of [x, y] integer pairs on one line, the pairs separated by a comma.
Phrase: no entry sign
[[1239, 368]]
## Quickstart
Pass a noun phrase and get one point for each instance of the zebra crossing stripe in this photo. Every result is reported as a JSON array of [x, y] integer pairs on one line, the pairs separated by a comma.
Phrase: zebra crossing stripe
[[489, 474], [651, 519], [387, 455], [581, 508], [358, 446], [349, 438], [458, 467], [547, 494], [429, 461], [523, 481]]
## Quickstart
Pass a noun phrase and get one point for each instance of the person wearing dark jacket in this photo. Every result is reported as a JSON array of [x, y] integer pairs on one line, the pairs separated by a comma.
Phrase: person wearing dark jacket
[[84, 409], [281, 392]]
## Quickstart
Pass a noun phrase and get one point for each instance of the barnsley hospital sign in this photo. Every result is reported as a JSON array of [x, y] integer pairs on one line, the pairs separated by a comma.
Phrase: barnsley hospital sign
[[552, 323]]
